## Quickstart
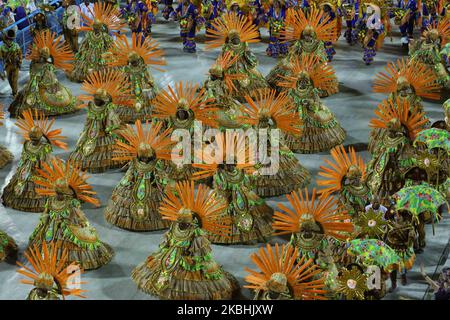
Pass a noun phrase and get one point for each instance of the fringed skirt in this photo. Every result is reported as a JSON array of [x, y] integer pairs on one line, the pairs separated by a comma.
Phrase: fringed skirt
[[183, 284], [8, 247], [27, 200], [5, 156], [100, 158], [291, 176]]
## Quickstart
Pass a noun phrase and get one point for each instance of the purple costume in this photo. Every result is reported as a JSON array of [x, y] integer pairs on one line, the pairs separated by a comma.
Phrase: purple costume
[[187, 16], [277, 23]]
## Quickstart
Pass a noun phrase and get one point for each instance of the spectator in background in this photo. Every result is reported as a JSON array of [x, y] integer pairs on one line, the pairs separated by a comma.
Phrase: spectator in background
[[8, 17], [20, 13], [31, 6], [87, 8]]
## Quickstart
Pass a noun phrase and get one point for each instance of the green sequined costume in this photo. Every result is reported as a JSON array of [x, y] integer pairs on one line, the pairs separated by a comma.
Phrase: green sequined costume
[[251, 216], [246, 64], [8, 246], [184, 269], [64, 221], [143, 89], [20, 192], [44, 92], [134, 204], [321, 131], [5, 156], [89, 57], [94, 149]]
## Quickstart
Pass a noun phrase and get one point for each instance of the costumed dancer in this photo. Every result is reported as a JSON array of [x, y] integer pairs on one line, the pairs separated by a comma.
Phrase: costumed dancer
[[37, 149], [282, 275], [5, 155], [405, 16], [8, 247], [317, 228], [188, 16], [308, 35], [345, 176], [331, 15], [51, 275], [105, 90], [276, 18], [68, 25], [184, 107], [371, 28], [40, 24], [134, 59], [233, 182], [219, 86], [136, 198], [168, 11], [233, 33], [408, 81], [350, 12], [97, 41], [321, 131], [267, 112], [211, 9], [183, 268], [427, 50], [400, 125], [11, 57], [44, 92], [63, 220]]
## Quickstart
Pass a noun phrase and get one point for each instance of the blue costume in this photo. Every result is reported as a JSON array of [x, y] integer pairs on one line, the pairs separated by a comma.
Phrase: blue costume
[[328, 44], [376, 31], [258, 15], [168, 10], [20, 13], [211, 10], [429, 15], [407, 28], [187, 15], [134, 12], [276, 25], [350, 11]]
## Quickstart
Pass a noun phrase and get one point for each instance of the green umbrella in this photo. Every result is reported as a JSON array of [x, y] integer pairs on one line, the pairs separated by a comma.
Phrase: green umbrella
[[418, 199], [373, 252], [434, 138]]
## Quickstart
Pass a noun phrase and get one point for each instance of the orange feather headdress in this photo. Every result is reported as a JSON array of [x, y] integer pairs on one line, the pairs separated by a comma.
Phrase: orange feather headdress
[[51, 174], [205, 206], [151, 137], [316, 21], [270, 105], [443, 30], [146, 48], [2, 114], [228, 23], [106, 14], [413, 121], [226, 145], [60, 52], [300, 274], [167, 102], [51, 261], [32, 119], [322, 75], [421, 78], [222, 64], [323, 210], [113, 82], [337, 170]]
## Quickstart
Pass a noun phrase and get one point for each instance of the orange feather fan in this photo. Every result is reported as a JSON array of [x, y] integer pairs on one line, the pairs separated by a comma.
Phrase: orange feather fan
[[71, 172], [301, 273], [297, 21], [413, 121], [103, 13], [33, 118], [222, 26], [205, 205], [113, 81], [147, 49], [166, 102], [418, 75], [53, 261], [321, 74], [60, 52], [323, 210], [226, 144], [270, 105], [335, 173], [158, 140]]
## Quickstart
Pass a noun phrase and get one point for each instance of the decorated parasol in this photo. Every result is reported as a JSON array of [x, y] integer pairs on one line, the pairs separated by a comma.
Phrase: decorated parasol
[[373, 252], [418, 199], [434, 138]]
